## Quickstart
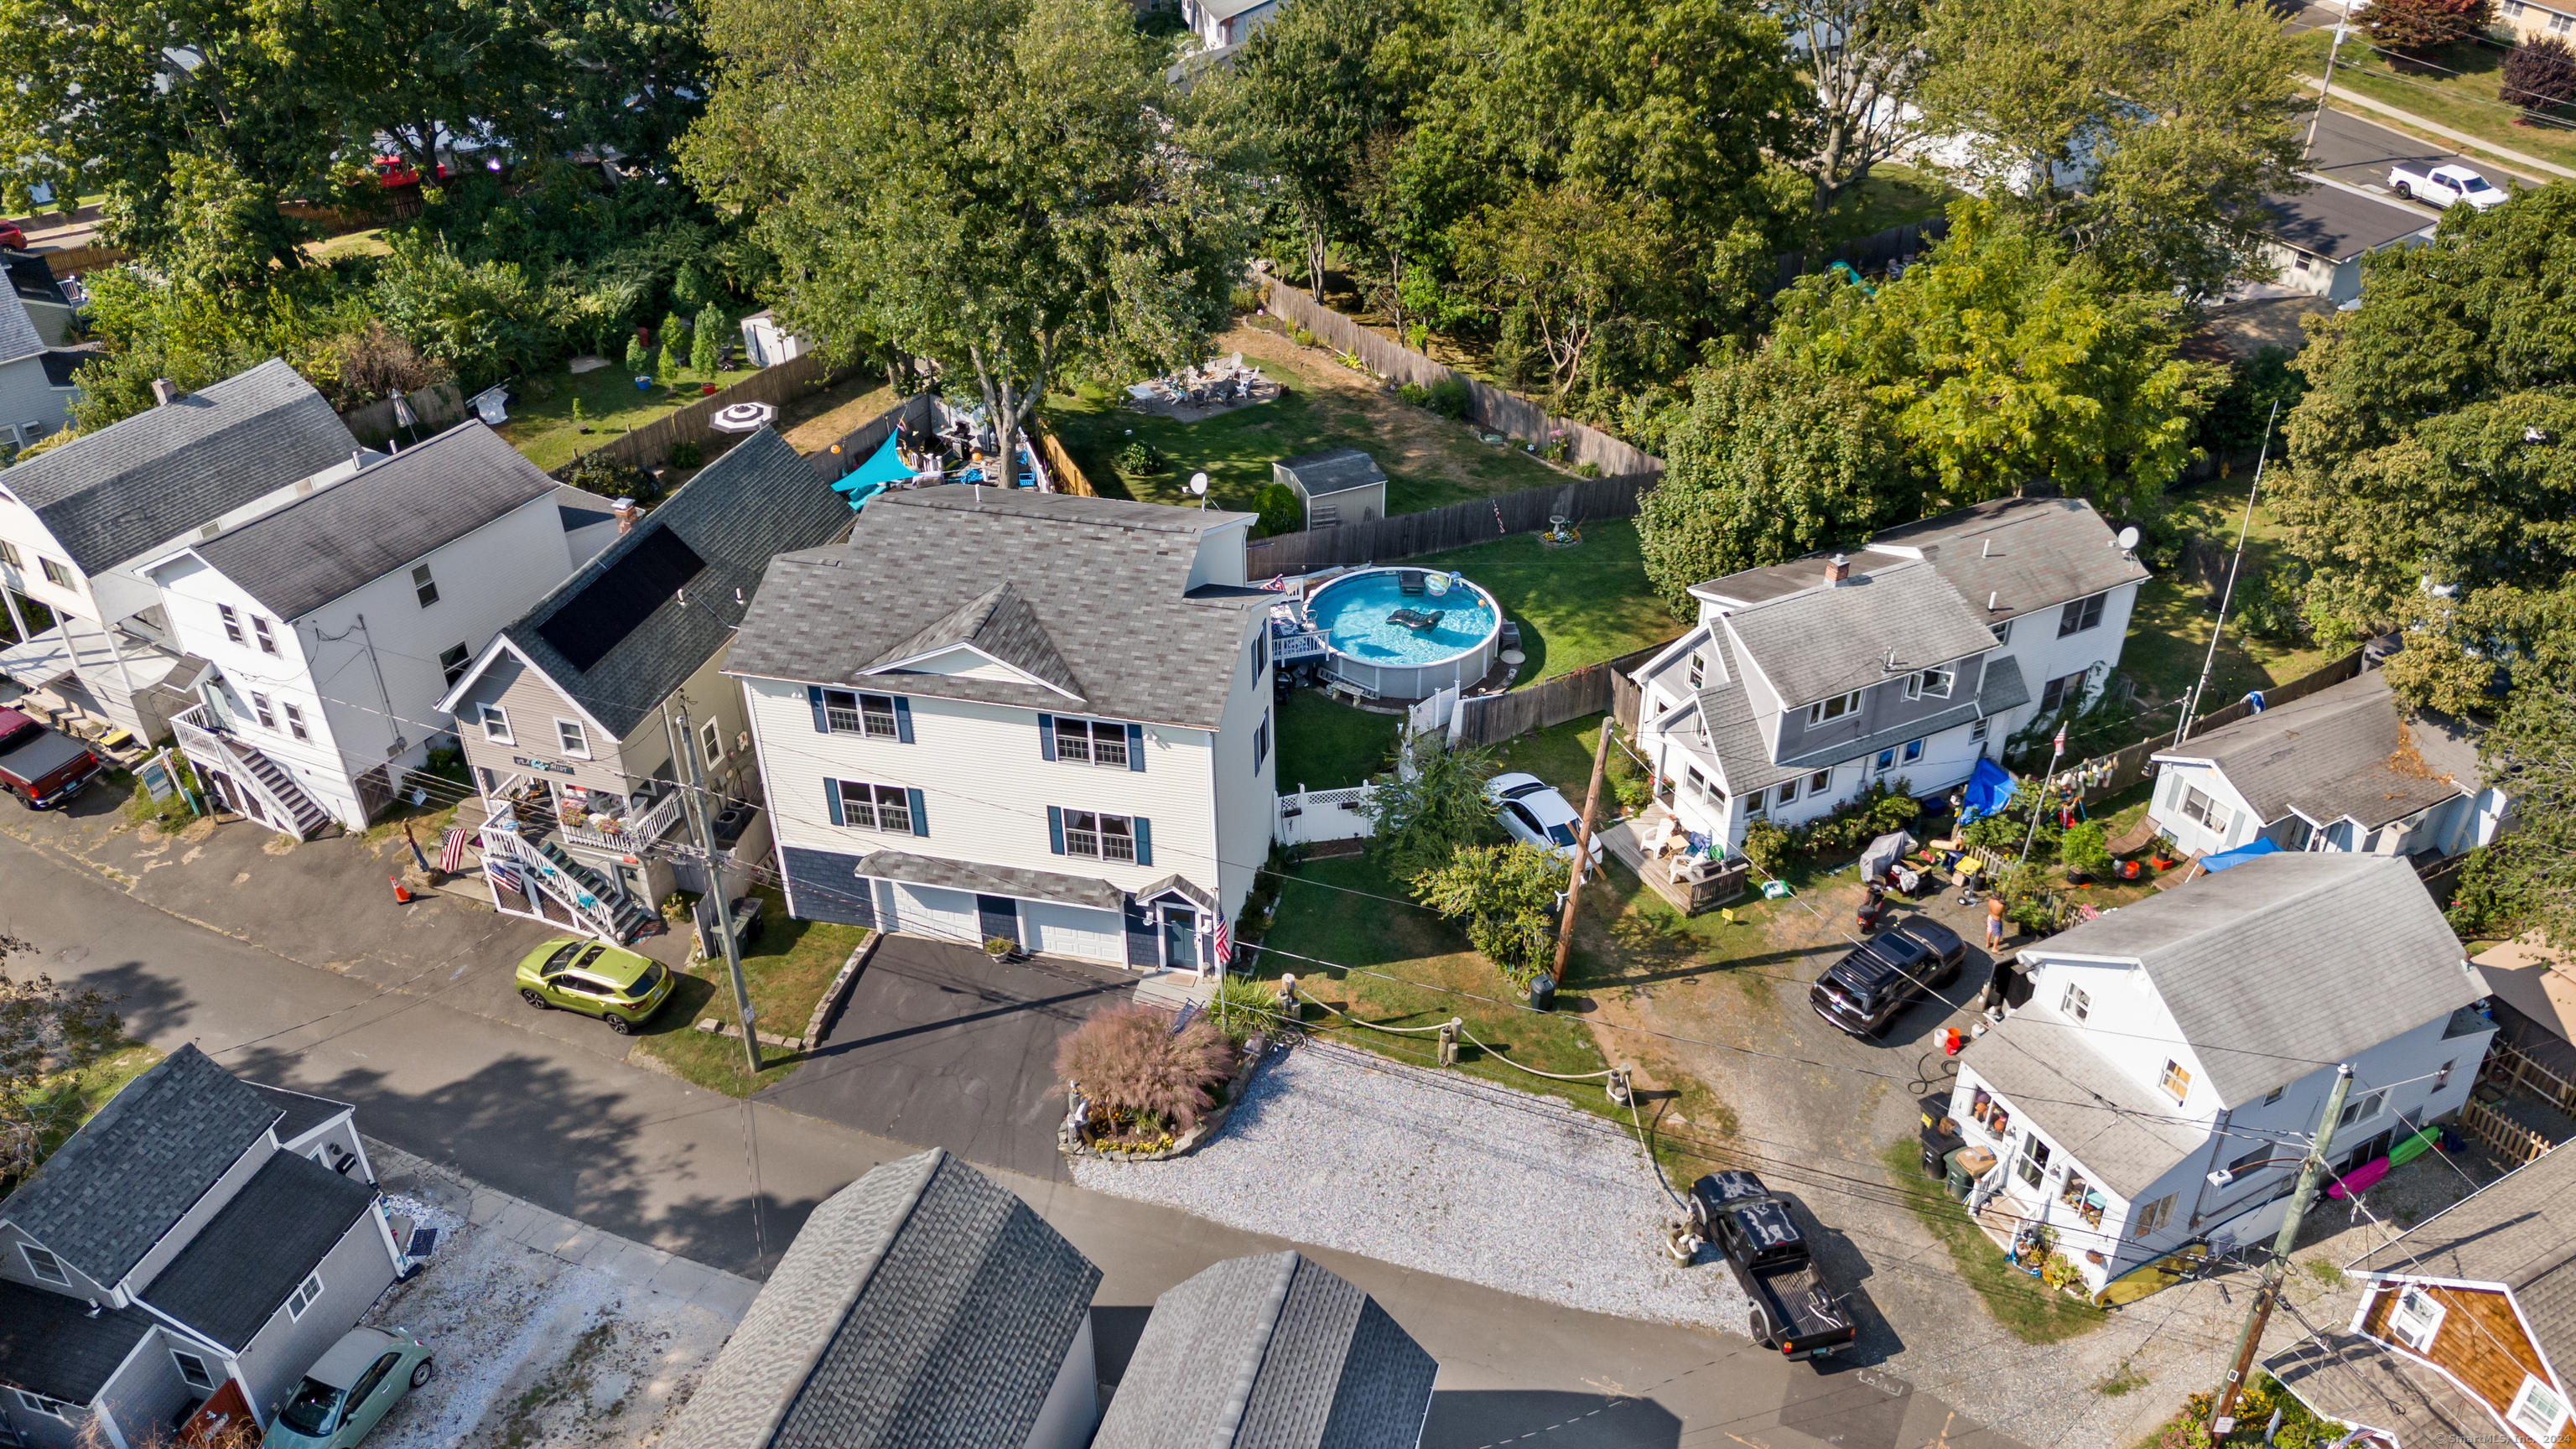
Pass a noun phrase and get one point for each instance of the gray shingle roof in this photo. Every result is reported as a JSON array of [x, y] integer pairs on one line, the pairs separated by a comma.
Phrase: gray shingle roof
[[385, 517], [32, 277], [2338, 223], [1104, 580], [2003, 688], [1833, 639], [109, 495], [1000, 623], [301, 1112], [2125, 1136], [1335, 470], [1270, 1352], [2349, 749], [2027, 553], [2519, 1230], [2288, 959], [1004, 880], [241, 1265], [2346, 1376], [50, 1345], [131, 1172], [18, 334], [757, 501], [922, 1305], [1732, 734], [1964, 712]]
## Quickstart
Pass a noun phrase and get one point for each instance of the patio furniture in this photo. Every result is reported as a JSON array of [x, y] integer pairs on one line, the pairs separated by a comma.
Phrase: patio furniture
[[1409, 581]]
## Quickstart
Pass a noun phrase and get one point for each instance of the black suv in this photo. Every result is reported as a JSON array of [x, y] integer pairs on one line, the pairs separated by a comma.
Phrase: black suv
[[1865, 990]]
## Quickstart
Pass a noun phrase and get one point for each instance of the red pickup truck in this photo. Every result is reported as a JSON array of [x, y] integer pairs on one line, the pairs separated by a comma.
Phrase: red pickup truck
[[42, 767]]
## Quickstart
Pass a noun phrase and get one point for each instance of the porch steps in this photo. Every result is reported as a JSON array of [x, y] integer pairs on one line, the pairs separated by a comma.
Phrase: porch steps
[[281, 788], [631, 919], [1175, 990]]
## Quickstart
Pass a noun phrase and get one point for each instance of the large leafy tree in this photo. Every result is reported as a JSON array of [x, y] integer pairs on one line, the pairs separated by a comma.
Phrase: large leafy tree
[[1005, 186], [1593, 275], [1865, 59], [2420, 27], [1309, 86], [2526, 881]]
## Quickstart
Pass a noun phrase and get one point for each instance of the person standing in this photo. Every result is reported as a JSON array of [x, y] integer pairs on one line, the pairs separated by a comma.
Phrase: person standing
[[1995, 923]]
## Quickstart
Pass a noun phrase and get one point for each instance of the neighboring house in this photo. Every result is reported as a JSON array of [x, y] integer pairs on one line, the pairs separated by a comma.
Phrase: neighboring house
[[1016, 714], [336, 623], [1906, 660], [1220, 24], [2532, 19], [920, 1305], [78, 523], [2461, 1322], [2347, 768], [35, 379], [48, 306], [2141, 1098], [566, 716], [1272, 1349], [2319, 236], [1339, 485], [199, 1231]]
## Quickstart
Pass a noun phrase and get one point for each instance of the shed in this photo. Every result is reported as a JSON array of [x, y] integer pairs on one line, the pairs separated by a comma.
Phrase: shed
[[2319, 236], [768, 342], [1340, 485]]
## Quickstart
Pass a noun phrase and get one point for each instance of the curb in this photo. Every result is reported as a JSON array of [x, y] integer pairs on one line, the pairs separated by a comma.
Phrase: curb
[[836, 995]]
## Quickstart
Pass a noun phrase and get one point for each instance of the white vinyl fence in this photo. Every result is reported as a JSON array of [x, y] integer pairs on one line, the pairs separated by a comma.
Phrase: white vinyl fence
[[1311, 817]]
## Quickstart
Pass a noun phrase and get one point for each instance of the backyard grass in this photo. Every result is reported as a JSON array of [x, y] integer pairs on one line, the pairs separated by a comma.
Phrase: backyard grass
[[1326, 745], [2030, 1312], [2463, 92], [369, 243], [2169, 627], [1892, 196], [68, 1099], [786, 969], [542, 428], [1576, 606]]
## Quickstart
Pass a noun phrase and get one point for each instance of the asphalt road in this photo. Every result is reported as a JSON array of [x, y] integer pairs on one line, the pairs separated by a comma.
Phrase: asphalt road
[[561, 1119], [2358, 153]]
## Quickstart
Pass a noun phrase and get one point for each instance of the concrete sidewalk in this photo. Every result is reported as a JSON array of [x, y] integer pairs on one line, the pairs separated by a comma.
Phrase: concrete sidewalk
[[2435, 128]]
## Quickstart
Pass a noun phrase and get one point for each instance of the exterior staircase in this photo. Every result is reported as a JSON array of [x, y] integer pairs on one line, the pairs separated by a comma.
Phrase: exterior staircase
[[541, 868], [630, 919], [215, 748]]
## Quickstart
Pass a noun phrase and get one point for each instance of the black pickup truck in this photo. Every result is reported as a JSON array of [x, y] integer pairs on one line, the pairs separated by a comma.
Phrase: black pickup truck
[[1795, 1309], [39, 766]]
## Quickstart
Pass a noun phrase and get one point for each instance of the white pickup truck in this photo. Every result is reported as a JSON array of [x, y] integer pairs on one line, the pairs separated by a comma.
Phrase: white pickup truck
[[2446, 186]]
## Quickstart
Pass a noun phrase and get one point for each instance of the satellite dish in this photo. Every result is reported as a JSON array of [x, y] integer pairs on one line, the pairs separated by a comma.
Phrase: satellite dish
[[2128, 538], [1198, 484]]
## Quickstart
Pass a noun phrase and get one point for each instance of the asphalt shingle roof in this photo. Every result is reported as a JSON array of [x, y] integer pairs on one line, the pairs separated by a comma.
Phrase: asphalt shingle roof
[[2519, 1230], [112, 494], [2339, 224], [2349, 749], [923, 1305], [50, 1345], [1335, 470], [387, 516], [301, 1112], [757, 501], [18, 334], [2124, 1135], [1834, 639], [32, 277], [241, 1265], [1270, 1352], [2025, 553], [131, 1172], [1007, 880], [1106, 582], [1000, 623], [2288, 958]]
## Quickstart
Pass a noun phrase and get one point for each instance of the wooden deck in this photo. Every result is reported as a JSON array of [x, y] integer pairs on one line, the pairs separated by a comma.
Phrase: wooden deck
[[1626, 840]]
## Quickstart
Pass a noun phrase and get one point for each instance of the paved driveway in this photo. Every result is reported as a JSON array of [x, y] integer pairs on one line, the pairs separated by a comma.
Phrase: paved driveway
[[942, 1047]]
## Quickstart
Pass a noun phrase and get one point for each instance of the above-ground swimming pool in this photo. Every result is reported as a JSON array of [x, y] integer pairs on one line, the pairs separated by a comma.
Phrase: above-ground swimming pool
[[1366, 646]]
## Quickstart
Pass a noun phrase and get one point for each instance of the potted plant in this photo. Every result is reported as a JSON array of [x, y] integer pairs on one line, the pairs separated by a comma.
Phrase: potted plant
[[1000, 947]]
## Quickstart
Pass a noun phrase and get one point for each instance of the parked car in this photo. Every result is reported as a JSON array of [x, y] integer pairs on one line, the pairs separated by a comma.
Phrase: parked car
[[595, 979], [347, 1392], [10, 236], [1796, 1309], [1534, 811], [42, 767], [1942, 943], [2446, 186], [1865, 990]]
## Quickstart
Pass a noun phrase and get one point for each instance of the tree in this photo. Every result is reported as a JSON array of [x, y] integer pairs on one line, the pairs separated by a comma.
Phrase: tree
[[2005, 363], [1306, 83], [702, 338], [1431, 805], [2526, 881], [192, 334], [483, 322], [1865, 58], [2540, 75], [1591, 274], [45, 1030], [2417, 28], [1768, 462], [1006, 187], [1506, 897]]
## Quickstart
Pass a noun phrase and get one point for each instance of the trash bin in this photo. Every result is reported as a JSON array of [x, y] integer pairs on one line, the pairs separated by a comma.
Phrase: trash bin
[[1940, 1136], [1542, 995], [1966, 1166]]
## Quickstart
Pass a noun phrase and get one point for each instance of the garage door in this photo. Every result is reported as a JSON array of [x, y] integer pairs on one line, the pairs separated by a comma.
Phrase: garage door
[[942, 915], [1074, 931]]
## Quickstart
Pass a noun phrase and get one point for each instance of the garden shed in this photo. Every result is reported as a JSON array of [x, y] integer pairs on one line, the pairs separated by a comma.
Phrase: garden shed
[[1337, 486]]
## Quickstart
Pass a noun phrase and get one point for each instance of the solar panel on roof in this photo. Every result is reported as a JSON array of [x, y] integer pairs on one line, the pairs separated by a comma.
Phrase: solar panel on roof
[[626, 593]]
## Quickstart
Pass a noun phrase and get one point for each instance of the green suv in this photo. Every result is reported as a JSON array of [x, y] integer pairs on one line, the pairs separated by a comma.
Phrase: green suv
[[344, 1395], [595, 979]]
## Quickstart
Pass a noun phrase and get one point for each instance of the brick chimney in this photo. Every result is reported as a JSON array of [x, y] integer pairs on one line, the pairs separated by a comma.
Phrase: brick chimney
[[624, 508], [165, 392], [1837, 569]]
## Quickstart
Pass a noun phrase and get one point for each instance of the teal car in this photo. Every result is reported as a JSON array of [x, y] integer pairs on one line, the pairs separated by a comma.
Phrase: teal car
[[348, 1391], [595, 979]]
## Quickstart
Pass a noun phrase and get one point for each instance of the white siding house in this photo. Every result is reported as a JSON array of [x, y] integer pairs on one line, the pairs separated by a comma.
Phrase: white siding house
[[2197, 1033], [1031, 716]]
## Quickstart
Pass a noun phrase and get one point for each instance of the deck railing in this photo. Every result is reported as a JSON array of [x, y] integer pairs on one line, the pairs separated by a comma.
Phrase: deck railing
[[633, 835]]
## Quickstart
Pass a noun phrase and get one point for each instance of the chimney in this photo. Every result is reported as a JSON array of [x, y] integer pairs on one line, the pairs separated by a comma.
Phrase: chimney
[[1837, 569], [624, 508], [165, 392]]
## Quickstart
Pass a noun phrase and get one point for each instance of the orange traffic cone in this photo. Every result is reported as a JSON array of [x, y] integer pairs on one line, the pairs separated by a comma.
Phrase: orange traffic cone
[[401, 896]]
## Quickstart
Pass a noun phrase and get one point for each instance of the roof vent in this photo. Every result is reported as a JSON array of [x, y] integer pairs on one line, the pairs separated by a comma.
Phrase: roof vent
[[1890, 666], [1987, 550], [165, 392], [93, 1309], [1837, 569], [1991, 596]]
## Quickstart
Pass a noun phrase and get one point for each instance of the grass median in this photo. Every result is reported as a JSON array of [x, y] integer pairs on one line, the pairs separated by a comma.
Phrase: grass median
[[787, 969]]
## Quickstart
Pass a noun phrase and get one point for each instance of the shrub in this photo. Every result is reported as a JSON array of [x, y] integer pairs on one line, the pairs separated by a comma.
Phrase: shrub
[[1140, 459], [1282, 511], [375, 362], [605, 476], [1243, 1006], [1767, 846], [1131, 1064], [702, 338], [1244, 300], [1413, 394], [1505, 898], [671, 360], [2420, 27], [686, 454], [2540, 75], [1418, 337], [580, 414], [639, 358], [2084, 849], [1426, 811], [1448, 397], [2274, 606], [1301, 336], [1587, 469]]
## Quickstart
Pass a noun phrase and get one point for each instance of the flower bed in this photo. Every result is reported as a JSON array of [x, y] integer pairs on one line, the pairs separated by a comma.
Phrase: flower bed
[[1082, 1143]]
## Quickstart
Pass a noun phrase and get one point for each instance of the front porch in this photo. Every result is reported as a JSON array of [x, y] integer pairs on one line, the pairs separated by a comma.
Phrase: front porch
[[1656, 845], [90, 681]]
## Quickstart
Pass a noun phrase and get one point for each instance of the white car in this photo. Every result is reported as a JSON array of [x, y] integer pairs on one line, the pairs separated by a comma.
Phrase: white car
[[1532, 810], [2446, 186]]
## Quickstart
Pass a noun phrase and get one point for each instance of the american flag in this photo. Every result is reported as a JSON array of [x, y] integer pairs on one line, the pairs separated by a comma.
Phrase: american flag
[[451, 849], [1224, 943], [503, 875]]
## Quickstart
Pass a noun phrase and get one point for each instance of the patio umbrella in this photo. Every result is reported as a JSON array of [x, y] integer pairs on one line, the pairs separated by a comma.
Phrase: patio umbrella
[[744, 417]]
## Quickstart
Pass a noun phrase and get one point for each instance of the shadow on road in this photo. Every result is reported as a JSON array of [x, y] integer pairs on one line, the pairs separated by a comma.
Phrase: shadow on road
[[1472, 1418]]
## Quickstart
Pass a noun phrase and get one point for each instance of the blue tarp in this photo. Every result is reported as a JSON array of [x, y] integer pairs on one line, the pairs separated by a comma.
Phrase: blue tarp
[[2238, 856], [1989, 790]]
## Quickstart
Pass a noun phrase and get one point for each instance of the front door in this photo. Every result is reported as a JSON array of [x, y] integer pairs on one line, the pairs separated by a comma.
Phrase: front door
[[998, 916], [1180, 938]]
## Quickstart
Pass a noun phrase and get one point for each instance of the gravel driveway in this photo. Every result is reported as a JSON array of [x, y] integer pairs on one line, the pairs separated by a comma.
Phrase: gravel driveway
[[1441, 1172]]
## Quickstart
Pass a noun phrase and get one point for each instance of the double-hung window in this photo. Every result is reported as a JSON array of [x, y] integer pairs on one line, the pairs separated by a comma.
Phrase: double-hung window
[[1698, 669], [2202, 810], [259, 706], [1788, 792], [294, 720], [1913, 751], [2076, 1004], [572, 738], [1835, 708], [2151, 1219], [306, 1294], [1886, 762], [55, 574], [9, 555], [232, 623], [2080, 615], [875, 807], [2033, 1164], [2538, 1410], [1099, 837], [193, 1370], [2361, 1109], [2065, 693], [1701, 786], [1820, 782], [711, 743], [496, 725], [849, 713], [1261, 740], [1094, 742], [424, 586], [46, 1267], [267, 640], [2176, 1081]]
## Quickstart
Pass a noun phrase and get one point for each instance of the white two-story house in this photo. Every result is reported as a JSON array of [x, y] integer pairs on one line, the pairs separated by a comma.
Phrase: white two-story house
[[335, 623], [2347, 768], [1907, 659], [201, 1241], [2174, 1056], [1022, 715]]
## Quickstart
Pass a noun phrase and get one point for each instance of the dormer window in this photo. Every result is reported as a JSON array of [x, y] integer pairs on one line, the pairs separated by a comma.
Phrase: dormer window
[[1834, 708], [2075, 1005]]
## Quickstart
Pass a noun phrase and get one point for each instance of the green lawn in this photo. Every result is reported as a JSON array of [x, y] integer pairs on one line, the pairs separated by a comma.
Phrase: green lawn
[[1576, 606], [2463, 93], [542, 427], [2170, 625], [2026, 1309], [787, 969], [1236, 449], [1325, 744], [1892, 196]]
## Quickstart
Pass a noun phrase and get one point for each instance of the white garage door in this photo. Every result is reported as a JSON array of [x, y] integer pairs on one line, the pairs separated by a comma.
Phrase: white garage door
[[942, 915], [1074, 931]]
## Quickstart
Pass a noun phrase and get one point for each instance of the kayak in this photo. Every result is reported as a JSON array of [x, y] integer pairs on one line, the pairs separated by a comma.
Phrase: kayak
[[2360, 1180]]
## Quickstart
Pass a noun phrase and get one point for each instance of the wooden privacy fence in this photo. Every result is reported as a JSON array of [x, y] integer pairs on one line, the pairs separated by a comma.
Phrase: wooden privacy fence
[[649, 445], [72, 261], [1869, 253], [1490, 719], [1496, 410], [433, 407], [1479, 520], [1060, 466], [2512, 1142]]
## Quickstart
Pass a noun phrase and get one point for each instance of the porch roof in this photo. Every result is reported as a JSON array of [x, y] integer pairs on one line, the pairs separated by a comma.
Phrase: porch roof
[[992, 880]]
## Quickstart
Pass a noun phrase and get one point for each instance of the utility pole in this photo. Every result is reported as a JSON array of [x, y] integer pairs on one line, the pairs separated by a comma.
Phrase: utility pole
[[2222, 1414], [1582, 851], [2309, 146], [2191, 701], [694, 806]]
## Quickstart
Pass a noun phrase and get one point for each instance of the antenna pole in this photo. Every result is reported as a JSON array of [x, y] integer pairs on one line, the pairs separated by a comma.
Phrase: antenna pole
[[2191, 705]]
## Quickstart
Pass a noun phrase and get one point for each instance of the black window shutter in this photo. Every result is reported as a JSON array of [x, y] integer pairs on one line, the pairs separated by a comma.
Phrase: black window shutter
[[902, 719], [1144, 841], [832, 800], [1046, 737], [822, 724], [1055, 829]]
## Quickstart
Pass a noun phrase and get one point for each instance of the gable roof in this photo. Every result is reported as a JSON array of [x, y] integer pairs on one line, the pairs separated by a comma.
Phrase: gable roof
[[1335, 470], [2347, 750], [299, 1112], [1105, 583], [50, 1345], [2124, 1134], [241, 1265], [2025, 554], [2287, 960], [384, 517], [142, 481], [715, 536], [1831, 639], [2519, 1230], [18, 335], [999, 623], [921, 1305], [131, 1172], [1274, 1351]]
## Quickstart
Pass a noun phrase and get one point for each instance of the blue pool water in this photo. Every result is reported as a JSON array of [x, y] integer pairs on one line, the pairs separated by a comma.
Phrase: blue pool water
[[1352, 612]]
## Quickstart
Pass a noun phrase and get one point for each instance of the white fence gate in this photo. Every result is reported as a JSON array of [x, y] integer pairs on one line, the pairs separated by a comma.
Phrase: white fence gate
[[1312, 816]]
